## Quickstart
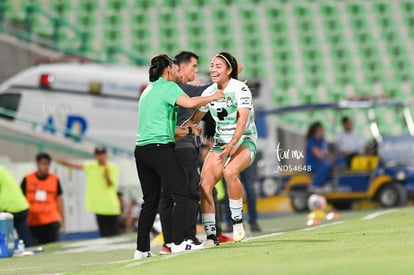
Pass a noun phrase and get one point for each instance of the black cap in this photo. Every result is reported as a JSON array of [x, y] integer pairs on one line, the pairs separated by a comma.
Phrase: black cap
[[100, 150]]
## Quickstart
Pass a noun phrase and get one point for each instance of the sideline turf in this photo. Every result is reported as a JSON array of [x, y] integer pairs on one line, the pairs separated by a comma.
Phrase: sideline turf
[[382, 245]]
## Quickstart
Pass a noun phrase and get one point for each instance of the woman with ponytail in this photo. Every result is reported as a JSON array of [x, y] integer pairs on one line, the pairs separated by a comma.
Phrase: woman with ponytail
[[234, 146], [157, 164]]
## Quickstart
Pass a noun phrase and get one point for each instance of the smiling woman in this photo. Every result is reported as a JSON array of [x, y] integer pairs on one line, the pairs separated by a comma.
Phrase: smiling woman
[[234, 146]]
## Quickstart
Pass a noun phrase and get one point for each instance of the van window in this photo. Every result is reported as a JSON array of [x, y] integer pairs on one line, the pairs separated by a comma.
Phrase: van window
[[9, 102]]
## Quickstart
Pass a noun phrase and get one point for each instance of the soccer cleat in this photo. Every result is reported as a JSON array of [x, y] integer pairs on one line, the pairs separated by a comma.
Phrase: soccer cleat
[[238, 231], [140, 255], [165, 249], [224, 239], [211, 241], [185, 246]]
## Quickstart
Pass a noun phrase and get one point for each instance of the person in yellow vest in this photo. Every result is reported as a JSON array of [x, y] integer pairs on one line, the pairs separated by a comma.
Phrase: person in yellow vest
[[45, 196], [102, 180], [13, 201]]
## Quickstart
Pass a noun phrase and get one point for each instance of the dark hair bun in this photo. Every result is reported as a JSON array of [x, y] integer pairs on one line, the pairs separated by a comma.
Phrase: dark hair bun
[[157, 66], [153, 70]]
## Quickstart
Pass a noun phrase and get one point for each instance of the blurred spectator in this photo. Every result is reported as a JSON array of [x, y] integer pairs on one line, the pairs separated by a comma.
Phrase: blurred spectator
[[131, 216], [101, 191], [44, 194], [349, 143], [13, 201], [318, 155]]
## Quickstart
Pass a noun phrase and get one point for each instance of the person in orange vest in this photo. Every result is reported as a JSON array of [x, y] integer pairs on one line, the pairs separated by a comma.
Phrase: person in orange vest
[[44, 194]]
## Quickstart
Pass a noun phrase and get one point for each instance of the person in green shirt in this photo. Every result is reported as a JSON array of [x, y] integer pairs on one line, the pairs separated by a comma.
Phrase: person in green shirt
[[101, 198], [13, 201], [157, 163]]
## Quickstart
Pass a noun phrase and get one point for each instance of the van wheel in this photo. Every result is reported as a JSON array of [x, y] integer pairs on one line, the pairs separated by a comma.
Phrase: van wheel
[[392, 195]]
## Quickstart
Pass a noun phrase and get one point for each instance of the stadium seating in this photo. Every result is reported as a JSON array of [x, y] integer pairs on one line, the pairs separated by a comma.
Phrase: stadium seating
[[309, 51]]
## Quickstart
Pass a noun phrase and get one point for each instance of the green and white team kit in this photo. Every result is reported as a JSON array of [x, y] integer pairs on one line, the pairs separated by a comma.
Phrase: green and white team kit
[[224, 111]]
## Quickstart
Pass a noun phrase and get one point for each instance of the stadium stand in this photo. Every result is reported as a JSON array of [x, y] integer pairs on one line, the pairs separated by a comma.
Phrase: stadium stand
[[309, 51]]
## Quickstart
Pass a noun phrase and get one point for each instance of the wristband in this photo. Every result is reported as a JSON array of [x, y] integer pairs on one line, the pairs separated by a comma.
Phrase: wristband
[[190, 131]]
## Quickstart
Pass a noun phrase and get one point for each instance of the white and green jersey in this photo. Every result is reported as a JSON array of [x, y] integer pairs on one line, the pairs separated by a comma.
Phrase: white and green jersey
[[224, 111]]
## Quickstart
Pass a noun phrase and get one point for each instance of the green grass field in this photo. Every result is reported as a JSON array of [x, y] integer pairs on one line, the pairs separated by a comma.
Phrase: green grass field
[[362, 242]]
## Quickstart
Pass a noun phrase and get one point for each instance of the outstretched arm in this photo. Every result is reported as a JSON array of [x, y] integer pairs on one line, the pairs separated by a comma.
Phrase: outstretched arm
[[69, 164], [198, 101]]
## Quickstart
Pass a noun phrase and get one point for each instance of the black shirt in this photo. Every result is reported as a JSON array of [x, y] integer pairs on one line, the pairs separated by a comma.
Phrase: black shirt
[[184, 114]]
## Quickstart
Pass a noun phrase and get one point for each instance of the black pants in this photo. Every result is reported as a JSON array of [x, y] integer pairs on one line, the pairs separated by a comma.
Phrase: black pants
[[47, 233], [107, 224], [20, 224], [190, 160], [158, 167]]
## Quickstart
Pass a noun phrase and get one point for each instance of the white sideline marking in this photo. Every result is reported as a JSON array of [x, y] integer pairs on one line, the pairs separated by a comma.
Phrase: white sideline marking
[[263, 236], [160, 258], [96, 242], [113, 262], [377, 214], [153, 259], [98, 248], [25, 269], [97, 245], [322, 225]]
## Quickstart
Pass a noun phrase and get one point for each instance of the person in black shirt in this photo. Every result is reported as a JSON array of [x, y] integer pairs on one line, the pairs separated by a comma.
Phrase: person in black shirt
[[188, 153]]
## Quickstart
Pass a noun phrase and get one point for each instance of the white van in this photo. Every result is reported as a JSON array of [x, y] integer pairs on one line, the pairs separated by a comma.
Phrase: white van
[[96, 100], [109, 80]]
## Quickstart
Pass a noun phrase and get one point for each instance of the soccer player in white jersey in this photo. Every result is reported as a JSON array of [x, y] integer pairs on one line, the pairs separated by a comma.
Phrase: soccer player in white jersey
[[234, 146]]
